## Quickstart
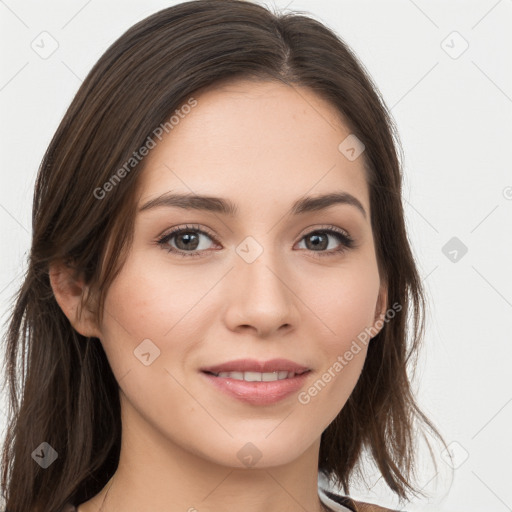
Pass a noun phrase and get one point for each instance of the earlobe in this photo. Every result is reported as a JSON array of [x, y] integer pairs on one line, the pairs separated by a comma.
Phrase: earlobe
[[69, 291], [382, 302], [380, 309]]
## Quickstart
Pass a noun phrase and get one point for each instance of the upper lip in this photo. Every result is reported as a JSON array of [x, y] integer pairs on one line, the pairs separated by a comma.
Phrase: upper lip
[[252, 365]]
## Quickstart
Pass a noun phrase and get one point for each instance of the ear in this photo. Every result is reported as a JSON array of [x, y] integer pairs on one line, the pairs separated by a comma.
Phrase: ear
[[69, 291], [380, 309]]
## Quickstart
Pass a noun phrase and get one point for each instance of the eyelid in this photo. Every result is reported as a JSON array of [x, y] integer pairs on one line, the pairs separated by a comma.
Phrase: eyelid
[[324, 227], [172, 232]]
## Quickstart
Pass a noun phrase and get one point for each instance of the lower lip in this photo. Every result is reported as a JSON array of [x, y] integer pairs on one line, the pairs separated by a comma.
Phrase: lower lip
[[258, 393]]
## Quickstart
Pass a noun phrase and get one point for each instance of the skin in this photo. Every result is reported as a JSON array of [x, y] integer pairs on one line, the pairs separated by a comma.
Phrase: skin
[[263, 146]]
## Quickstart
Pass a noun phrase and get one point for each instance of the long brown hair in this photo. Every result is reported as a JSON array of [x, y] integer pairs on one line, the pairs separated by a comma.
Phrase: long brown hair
[[61, 388]]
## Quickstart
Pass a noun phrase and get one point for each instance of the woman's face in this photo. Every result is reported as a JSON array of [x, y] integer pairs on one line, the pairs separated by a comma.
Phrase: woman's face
[[260, 283]]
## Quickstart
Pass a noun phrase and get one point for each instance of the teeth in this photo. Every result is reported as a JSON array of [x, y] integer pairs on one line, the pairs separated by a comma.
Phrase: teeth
[[257, 376]]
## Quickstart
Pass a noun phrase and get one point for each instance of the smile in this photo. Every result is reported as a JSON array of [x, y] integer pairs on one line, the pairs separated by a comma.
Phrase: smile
[[257, 376]]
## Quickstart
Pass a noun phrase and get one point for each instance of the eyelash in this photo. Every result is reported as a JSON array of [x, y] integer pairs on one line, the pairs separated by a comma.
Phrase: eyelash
[[346, 240]]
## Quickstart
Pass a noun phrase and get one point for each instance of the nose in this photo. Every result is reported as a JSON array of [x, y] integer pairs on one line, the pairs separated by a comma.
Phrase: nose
[[260, 297]]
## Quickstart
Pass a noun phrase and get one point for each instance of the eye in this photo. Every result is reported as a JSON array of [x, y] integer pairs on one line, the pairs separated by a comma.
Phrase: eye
[[319, 239], [186, 241]]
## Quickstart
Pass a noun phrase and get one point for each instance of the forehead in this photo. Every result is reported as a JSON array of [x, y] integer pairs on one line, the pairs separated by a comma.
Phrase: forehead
[[259, 143]]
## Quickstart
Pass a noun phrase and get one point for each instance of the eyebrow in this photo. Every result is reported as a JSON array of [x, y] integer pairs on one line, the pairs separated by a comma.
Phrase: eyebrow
[[227, 207]]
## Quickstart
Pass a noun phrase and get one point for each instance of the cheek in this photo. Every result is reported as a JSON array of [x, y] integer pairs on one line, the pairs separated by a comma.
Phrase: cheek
[[149, 301], [346, 307], [146, 321], [345, 303], [157, 303]]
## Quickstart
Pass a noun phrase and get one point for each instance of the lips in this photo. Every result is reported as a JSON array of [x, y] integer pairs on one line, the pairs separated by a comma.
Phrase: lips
[[257, 382], [254, 366], [257, 392]]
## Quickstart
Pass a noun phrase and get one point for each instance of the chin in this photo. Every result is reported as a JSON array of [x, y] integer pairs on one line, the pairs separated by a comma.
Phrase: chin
[[258, 451]]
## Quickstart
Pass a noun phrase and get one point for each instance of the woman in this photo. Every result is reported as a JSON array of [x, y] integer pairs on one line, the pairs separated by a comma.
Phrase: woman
[[216, 302]]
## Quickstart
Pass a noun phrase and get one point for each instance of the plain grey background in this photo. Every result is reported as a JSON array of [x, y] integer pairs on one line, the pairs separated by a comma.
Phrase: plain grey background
[[444, 69]]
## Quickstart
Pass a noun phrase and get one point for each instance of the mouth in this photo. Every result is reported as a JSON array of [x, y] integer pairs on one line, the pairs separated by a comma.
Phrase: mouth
[[254, 368], [255, 382], [257, 376]]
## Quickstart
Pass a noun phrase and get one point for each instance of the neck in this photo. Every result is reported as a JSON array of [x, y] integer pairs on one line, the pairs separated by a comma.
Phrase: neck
[[155, 473]]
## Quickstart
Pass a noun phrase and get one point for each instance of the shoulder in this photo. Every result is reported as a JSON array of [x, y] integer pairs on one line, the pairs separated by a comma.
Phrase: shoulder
[[355, 506], [68, 507]]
